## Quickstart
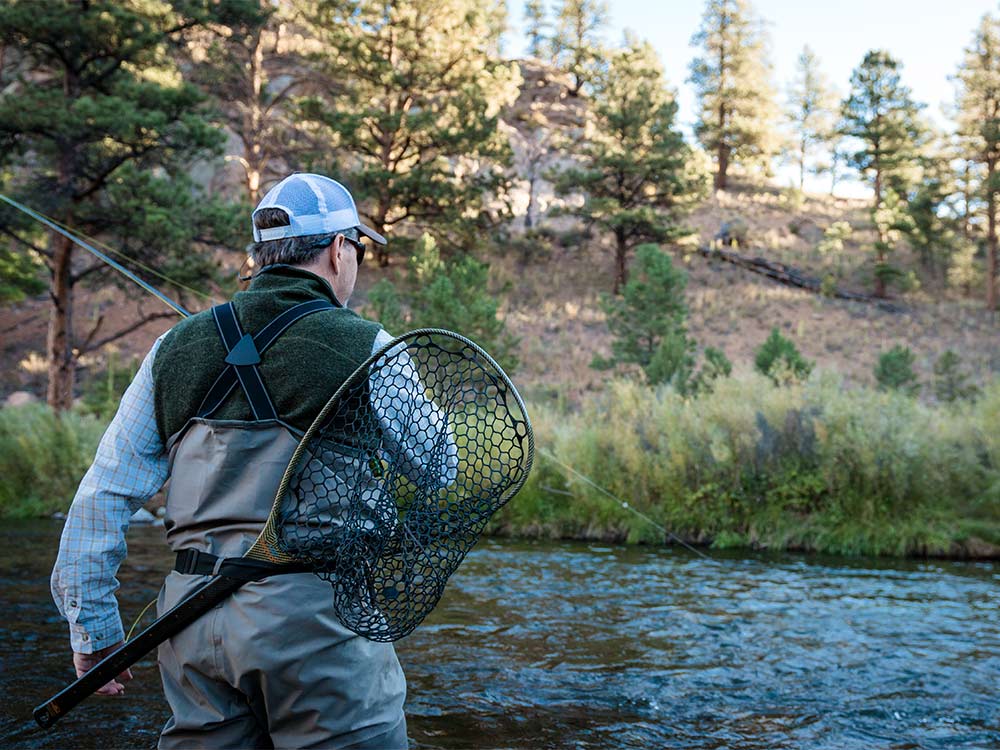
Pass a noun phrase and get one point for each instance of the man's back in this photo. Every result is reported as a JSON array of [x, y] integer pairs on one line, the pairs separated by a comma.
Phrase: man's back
[[301, 371]]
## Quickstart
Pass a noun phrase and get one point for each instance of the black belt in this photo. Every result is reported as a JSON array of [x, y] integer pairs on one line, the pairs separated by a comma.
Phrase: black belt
[[195, 562]]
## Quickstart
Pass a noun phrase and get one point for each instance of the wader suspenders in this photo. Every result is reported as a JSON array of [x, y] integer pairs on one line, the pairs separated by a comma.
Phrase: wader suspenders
[[242, 358]]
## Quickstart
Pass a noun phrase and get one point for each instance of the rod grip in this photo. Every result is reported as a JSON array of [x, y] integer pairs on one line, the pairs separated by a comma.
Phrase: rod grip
[[189, 609]]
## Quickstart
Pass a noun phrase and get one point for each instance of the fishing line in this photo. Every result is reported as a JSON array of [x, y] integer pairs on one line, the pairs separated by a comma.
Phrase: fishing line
[[107, 259], [139, 263], [623, 503], [69, 234], [138, 619]]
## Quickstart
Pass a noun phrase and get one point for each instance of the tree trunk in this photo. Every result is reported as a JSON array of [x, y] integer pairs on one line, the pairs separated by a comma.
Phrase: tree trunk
[[528, 221], [378, 220], [802, 163], [991, 238], [882, 240], [720, 175], [62, 363], [621, 251], [254, 148], [966, 200]]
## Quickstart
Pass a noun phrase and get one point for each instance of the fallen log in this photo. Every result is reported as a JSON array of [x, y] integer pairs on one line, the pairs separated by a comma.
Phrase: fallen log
[[790, 276]]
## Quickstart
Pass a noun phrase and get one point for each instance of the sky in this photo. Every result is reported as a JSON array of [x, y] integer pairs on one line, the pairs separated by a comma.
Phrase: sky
[[927, 36]]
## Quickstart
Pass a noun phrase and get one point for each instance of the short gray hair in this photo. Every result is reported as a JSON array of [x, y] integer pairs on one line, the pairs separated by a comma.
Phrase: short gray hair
[[295, 251]]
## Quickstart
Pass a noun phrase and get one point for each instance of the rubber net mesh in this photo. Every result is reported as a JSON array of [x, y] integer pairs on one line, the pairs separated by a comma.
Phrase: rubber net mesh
[[402, 476]]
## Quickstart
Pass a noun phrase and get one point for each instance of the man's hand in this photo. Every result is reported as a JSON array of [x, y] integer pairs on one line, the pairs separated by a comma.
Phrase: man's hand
[[84, 662]]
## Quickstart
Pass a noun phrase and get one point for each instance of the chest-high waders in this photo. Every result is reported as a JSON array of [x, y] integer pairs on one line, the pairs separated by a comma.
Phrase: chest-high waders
[[271, 666]]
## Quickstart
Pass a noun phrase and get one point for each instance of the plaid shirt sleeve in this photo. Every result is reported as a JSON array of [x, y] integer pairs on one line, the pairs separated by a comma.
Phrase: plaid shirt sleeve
[[129, 468], [414, 426]]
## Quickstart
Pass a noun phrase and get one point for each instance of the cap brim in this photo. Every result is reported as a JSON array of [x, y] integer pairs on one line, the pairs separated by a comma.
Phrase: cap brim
[[371, 234]]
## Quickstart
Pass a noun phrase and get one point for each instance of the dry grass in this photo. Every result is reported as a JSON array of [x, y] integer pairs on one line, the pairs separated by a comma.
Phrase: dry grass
[[555, 310]]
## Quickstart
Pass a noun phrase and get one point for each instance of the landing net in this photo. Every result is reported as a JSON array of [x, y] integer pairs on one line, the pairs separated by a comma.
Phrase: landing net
[[399, 476]]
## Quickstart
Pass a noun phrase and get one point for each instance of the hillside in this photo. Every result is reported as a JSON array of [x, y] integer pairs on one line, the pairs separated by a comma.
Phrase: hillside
[[555, 303], [555, 285]]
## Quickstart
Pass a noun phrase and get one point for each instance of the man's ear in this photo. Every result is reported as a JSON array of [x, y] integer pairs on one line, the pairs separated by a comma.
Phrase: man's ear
[[333, 253]]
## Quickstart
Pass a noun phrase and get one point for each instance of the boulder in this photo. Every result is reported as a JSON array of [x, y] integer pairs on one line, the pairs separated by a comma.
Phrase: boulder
[[20, 398]]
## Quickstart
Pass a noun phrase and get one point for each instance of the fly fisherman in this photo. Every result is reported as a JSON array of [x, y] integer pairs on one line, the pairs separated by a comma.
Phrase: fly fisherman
[[217, 407]]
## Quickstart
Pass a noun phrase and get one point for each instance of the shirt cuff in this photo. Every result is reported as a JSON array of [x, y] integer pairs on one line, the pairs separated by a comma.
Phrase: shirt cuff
[[87, 640]]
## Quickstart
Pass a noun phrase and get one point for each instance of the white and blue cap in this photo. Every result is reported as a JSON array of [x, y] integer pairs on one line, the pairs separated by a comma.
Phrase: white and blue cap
[[315, 205]]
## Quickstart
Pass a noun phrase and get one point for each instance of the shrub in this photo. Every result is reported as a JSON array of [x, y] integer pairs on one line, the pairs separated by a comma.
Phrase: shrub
[[780, 360], [452, 295], [834, 237], [950, 383], [715, 366], [894, 371]]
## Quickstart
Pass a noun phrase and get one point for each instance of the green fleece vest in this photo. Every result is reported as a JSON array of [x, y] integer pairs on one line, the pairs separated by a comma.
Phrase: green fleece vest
[[303, 368]]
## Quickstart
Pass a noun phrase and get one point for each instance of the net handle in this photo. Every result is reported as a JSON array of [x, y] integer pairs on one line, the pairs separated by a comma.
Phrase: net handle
[[193, 606]]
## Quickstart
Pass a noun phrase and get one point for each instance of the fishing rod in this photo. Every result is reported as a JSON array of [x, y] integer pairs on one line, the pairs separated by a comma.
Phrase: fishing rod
[[176, 307]]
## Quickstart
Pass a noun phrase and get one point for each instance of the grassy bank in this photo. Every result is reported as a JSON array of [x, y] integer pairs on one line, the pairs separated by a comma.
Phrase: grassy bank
[[811, 467], [43, 458]]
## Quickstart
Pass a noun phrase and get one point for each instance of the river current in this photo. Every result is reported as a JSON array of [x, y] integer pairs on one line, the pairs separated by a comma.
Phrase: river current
[[569, 645]]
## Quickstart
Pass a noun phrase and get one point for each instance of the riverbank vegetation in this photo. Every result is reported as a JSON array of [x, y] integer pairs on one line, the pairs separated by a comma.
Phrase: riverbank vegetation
[[748, 463], [43, 457], [802, 466]]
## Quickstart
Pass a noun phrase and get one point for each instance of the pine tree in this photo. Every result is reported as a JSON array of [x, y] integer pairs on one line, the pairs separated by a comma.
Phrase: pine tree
[[251, 74], [635, 169], [409, 106], [732, 81], [979, 127], [576, 44], [935, 223], [810, 110], [100, 131], [537, 28], [881, 117]]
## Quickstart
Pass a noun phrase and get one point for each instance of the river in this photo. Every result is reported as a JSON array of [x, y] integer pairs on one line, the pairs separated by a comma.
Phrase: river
[[569, 645]]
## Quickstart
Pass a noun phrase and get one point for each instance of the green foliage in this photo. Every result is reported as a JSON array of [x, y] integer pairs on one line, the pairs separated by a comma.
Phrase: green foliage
[[715, 367], [894, 370], [536, 28], [99, 130], [964, 270], [672, 362], [814, 466], [891, 221], [731, 77], [932, 227], [408, 102], [648, 323], [881, 116], [102, 392], [950, 383], [43, 457], [452, 295], [650, 311], [634, 168], [20, 275], [780, 360], [834, 237]]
